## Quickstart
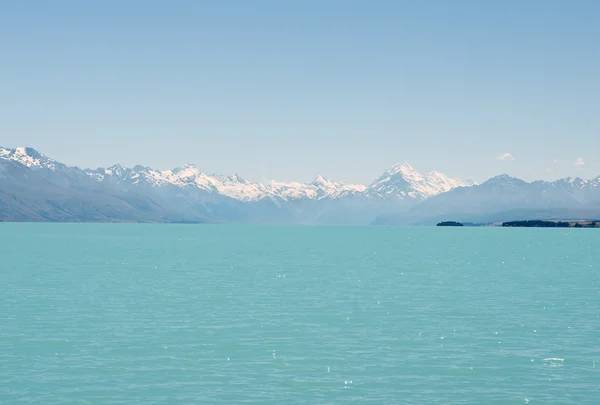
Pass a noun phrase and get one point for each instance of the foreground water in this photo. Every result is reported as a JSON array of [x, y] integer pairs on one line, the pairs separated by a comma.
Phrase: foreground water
[[160, 314]]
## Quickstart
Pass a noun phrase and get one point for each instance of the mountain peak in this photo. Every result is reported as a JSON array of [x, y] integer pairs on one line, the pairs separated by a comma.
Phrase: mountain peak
[[404, 182], [319, 180], [503, 177], [234, 178], [115, 170], [29, 157], [404, 172], [403, 167], [504, 180], [187, 169], [28, 151]]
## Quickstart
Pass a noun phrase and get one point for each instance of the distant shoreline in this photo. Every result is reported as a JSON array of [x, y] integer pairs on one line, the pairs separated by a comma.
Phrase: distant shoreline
[[551, 224], [507, 224], [533, 223]]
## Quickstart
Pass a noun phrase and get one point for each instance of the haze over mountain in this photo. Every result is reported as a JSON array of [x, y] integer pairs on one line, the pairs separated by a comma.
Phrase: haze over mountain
[[505, 198], [35, 187]]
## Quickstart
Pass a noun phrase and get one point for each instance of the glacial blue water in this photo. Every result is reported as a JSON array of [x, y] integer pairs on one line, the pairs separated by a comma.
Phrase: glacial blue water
[[198, 314]]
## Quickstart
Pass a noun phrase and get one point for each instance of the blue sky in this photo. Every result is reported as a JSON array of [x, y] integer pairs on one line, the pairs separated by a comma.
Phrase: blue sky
[[286, 90]]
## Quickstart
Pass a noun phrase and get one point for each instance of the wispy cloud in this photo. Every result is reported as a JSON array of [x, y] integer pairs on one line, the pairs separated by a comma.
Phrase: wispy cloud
[[579, 162], [555, 161], [505, 156]]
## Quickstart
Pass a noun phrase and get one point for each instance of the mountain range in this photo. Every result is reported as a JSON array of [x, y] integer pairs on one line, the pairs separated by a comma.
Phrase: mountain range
[[34, 187], [504, 198]]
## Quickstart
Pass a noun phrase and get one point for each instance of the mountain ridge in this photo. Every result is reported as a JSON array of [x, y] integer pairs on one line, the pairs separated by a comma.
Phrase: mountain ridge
[[402, 181], [34, 187], [501, 196]]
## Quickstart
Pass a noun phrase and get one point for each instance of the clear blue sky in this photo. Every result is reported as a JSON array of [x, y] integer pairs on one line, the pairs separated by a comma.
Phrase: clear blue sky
[[288, 89]]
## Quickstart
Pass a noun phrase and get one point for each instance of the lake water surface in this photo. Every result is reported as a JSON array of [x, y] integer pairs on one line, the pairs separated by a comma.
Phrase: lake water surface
[[176, 314]]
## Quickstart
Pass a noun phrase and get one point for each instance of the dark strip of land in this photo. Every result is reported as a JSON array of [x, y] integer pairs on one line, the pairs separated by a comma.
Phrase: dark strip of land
[[551, 224]]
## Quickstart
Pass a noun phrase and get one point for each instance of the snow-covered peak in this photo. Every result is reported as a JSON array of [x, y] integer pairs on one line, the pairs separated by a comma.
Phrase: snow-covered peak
[[29, 157], [234, 178], [404, 169], [326, 188], [233, 186], [404, 166], [576, 180], [576, 183], [444, 183], [291, 190], [319, 180], [404, 182], [568, 183], [116, 170]]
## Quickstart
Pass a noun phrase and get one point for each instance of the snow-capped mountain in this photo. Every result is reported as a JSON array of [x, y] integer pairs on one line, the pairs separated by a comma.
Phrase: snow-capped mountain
[[403, 182], [30, 157], [189, 176], [505, 198], [580, 190], [326, 188], [36, 187], [189, 194]]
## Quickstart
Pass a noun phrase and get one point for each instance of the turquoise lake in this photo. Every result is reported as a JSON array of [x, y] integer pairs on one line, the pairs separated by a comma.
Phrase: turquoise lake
[[202, 314]]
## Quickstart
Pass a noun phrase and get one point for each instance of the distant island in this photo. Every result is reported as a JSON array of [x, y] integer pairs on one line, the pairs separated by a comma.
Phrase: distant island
[[449, 223], [551, 224]]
